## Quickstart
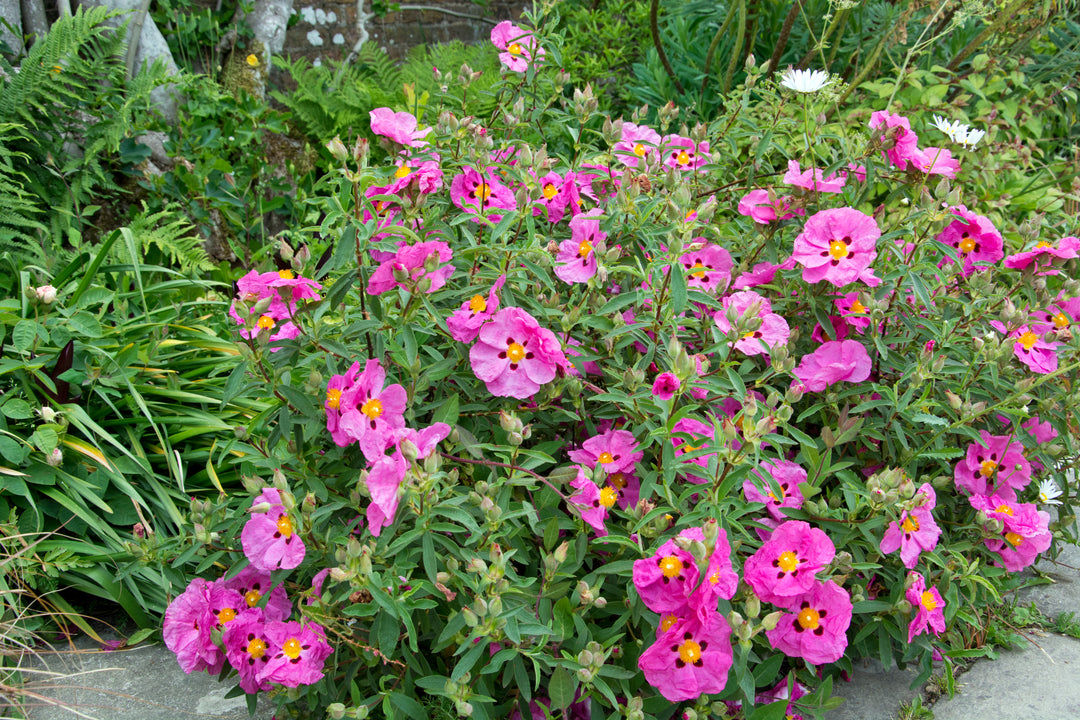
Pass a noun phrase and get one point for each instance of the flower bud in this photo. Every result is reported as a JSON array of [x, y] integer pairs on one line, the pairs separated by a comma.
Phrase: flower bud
[[338, 149], [335, 711], [770, 621], [46, 294]]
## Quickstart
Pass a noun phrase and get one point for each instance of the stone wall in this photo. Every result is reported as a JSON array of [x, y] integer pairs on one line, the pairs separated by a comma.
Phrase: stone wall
[[328, 30]]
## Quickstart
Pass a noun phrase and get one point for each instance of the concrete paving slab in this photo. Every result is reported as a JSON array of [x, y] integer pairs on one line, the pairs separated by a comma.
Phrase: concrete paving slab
[[874, 693], [1042, 683], [142, 683], [1063, 595]]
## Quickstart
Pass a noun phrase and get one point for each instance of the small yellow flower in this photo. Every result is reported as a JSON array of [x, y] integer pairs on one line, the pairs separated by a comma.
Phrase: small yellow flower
[[252, 60]]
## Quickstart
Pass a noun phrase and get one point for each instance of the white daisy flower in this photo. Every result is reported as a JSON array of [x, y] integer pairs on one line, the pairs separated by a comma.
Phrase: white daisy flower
[[1048, 492], [958, 132], [804, 81]]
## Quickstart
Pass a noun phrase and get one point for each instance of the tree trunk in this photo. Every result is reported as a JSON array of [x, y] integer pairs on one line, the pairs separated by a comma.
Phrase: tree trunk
[[12, 13], [34, 21], [152, 46], [268, 21]]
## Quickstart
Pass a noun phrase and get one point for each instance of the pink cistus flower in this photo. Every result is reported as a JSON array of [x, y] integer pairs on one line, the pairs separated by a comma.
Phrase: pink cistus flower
[[627, 487], [785, 565], [398, 126], [371, 412], [1031, 348], [576, 261], [928, 605], [188, 627], [665, 386], [692, 657], [761, 207], [638, 143], [786, 689], [900, 144], [682, 153], [996, 465], [816, 628], [556, 195], [833, 362], [514, 356], [812, 179], [269, 540], [411, 261], [667, 582], [336, 387], [253, 584], [837, 245], [787, 476], [384, 479], [417, 174], [936, 161], [613, 451], [708, 268], [480, 193], [465, 323], [1045, 255], [297, 654], [246, 647], [977, 242], [519, 47], [853, 312], [701, 435], [916, 531], [773, 330], [761, 274], [1025, 530], [592, 502]]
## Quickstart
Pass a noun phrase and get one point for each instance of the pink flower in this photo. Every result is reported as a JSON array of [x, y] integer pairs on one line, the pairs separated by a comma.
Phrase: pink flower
[[996, 465], [701, 435], [708, 268], [1025, 531], [936, 161], [576, 261], [859, 171], [411, 261], [627, 487], [837, 245], [761, 207], [613, 451], [372, 412], [773, 330], [787, 476], [338, 386], [246, 647], [667, 582], [682, 153], [853, 312], [915, 531], [786, 689], [415, 172], [269, 540], [252, 584], [816, 629], [929, 608], [398, 126], [556, 195], [812, 179], [297, 654], [464, 325], [638, 143], [831, 363], [519, 46], [692, 657], [785, 565], [900, 143], [1031, 349], [665, 386], [187, 630], [593, 502], [1043, 432], [480, 193], [514, 356], [383, 481], [975, 239], [1045, 255], [761, 274]]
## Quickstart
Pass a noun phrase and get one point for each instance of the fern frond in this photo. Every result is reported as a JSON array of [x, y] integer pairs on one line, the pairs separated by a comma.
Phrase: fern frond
[[172, 234]]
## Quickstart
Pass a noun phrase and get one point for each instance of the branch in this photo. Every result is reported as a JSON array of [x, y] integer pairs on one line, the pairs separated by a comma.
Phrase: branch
[[654, 11], [446, 11]]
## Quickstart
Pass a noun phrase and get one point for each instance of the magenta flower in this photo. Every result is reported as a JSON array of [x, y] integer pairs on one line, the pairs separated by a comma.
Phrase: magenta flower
[[816, 629], [576, 261], [556, 195], [252, 584], [773, 331], [975, 239], [297, 654], [187, 630], [837, 245], [995, 466], [667, 582], [398, 126], [514, 356], [628, 488], [1031, 348], [831, 363], [270, 541], [928, 605], [592, 502], [1025, 531], [899, 143], [812, 179], [416, 173], [853, 312], [915, 531], [638, 143], [480, 193], [614, 451], [936, 161], [692, 657], [682, 153], [372, 412], [519, 46], [787, 476], [412, 260], [761, 207], [786, 689], [246, 647], [1059, 316], [708, 268], [785, 565], [1045, 255], [338, 386], [383, 482], [665, 386], [465, 323], [761, 274]]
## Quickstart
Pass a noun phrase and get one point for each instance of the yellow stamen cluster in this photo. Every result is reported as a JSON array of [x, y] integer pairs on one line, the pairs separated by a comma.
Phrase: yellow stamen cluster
[[515, 352], [809, 618]]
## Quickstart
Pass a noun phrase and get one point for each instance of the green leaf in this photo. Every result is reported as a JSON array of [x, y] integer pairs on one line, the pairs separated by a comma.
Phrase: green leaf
[[22, 337], [45, 439], [17, 409], [773, 711], [561, 688], [678, 288], [139, 635], [408, 706], [85, 324], [929, 419], [447, 412]]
